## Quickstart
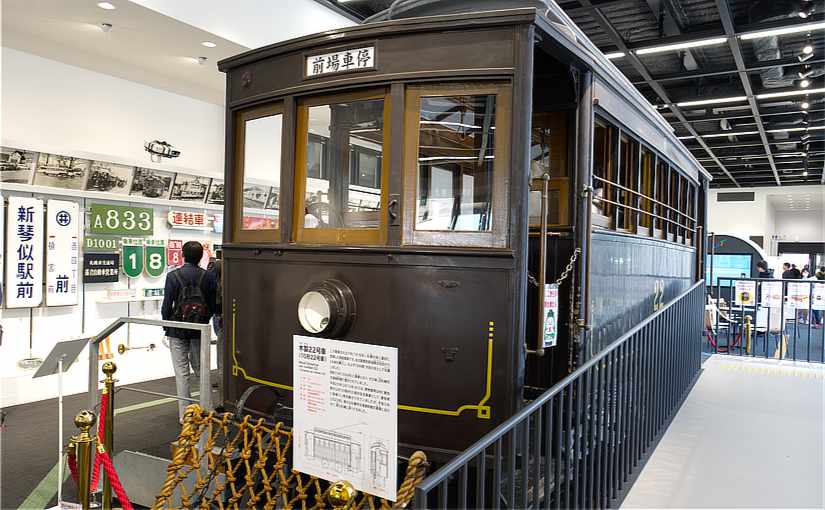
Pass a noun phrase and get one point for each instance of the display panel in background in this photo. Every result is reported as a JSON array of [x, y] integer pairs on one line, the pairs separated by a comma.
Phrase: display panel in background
[[727, 266], [62, 252]]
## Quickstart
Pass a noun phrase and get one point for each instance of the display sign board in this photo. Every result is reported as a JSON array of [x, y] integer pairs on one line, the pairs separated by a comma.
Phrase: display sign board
[[174, 253], [346, 412], [101, 243], [132, 256], [745, 293], [771, 294], [818, 297], [101, 267], [121, 220], [24, 249], [190, 220], [799, 295], [155, 264], [353, 59], [551, 315], [62, 252]]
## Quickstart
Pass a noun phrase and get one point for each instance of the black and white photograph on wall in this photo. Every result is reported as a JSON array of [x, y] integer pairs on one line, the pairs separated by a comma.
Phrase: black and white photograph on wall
[[109, 177], [16, 165], [191, 188], [150, 183], [272, 201], [215, 195], [61, 171], [255, 196]]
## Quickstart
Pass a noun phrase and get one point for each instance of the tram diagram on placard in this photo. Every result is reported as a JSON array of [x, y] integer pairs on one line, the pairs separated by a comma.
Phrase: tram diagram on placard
[[335, 448]]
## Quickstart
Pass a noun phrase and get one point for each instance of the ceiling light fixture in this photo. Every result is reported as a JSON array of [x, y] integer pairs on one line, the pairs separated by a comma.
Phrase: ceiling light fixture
[[713, 101], [805, 105], [804, 174], [681, 46], [805, 57], [794, 129], [106, 5], [208, 44], [614, 54], [771, 95], [806, 27], [805, 83], [808, 49]]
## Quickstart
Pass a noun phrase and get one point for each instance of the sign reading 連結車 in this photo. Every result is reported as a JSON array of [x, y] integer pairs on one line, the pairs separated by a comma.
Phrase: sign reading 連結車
[[551, 315], [101, 267], [345, 413], [352, 59], [121, 220]]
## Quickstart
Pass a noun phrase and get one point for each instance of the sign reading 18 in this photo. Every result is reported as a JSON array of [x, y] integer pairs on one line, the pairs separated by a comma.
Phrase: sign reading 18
[[120, 219]]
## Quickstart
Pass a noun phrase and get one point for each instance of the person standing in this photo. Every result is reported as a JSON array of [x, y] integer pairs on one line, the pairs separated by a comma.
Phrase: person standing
[[216, 268], [818, 321], [762, 270], [189, 296], [787, 274]]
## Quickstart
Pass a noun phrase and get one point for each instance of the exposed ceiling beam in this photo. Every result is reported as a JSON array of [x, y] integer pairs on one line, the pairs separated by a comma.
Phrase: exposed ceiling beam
[[721, 71], [617, 39], [746, 114]]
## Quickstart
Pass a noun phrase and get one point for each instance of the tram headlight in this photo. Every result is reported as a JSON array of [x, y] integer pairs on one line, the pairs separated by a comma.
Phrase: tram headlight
[[327, 308]]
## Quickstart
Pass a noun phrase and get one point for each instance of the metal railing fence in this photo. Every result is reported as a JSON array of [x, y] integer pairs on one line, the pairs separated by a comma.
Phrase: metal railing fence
[[580, 442], [768, 318]]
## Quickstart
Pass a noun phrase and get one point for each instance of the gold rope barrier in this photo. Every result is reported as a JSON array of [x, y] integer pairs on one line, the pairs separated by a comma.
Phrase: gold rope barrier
[[218, 462]]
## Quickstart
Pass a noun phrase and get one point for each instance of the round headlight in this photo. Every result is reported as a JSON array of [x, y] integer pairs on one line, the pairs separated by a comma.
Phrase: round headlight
[[328, 308]]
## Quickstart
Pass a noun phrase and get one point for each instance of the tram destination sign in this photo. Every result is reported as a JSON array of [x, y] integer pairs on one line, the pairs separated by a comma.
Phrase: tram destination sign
[[343, 61]]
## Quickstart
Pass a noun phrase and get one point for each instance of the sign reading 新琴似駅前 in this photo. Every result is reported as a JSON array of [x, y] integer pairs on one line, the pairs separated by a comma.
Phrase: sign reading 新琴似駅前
[[121, 219], [345, 409], [24, 248], [62, 252], [352, 59]]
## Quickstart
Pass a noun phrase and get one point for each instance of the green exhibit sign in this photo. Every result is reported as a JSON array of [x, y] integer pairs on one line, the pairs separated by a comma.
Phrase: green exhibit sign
[[155, 251], [101, 243], [121, 219], [132, 257]]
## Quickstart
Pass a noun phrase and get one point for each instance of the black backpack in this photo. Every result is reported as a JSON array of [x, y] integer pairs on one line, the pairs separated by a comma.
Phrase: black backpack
[[190, 306]]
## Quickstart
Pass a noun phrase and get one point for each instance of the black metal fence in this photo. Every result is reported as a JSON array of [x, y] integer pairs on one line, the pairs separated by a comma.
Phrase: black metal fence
[[782, 319], [580, 442]]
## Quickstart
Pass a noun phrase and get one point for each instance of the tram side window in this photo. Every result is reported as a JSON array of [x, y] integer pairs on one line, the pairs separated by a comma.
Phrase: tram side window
[[628, 180], [662, 212], [673, 231], [646, 189], [548, 155], [258, 174], [604, 164], [457, 144]]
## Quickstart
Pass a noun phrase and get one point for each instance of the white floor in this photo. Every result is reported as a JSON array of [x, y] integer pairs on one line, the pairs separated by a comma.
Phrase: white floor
[[751, 434]]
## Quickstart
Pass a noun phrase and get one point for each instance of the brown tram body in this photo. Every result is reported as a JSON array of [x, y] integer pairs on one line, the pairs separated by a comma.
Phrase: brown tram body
[[443, 277]]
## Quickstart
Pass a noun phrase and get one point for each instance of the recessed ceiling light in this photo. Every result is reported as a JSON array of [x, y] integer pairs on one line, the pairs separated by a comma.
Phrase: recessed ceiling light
[[682, 46], [806, 27], [208, 44], [805, 83], [106, 5], [804, 174], [198, 60], [808, 49], [805, 105]]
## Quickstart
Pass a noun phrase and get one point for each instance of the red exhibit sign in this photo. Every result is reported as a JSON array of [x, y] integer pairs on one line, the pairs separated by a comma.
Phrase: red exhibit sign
[[188, 219], [174, 253]]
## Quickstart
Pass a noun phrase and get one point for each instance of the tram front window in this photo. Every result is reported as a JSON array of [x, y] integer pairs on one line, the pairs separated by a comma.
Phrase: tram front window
[[261, 172], [455, 163], [343, 174]]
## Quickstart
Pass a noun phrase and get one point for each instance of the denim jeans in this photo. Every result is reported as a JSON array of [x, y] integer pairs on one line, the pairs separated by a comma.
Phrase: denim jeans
[[184, 354]]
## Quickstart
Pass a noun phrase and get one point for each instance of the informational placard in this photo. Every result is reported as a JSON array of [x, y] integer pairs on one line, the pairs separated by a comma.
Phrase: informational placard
[[121, 220], [101, 267], [354, 59], [174, 253], [799, 295], [346, 413], [101, 243], [155, 264], [132, 255], [62, 252], [745, 293], [818, 297], [551, 315], [24, 253], [771, 294], [190, 220]]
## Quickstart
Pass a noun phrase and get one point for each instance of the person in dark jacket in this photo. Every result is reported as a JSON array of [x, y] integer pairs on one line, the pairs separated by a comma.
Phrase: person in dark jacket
[[216, 268], [762, 270], [185, 344]]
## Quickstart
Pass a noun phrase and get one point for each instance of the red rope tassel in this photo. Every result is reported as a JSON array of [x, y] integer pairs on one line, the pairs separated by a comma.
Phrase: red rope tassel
[[115, 481], [101, 433]]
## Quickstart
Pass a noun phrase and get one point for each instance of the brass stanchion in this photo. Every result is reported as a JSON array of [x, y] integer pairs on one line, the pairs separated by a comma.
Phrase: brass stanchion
[[84, 420], [748, 334], [341, 494], [109, 369]]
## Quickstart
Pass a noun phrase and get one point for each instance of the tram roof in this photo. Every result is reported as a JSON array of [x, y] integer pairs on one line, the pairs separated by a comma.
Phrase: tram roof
[[564, 35]]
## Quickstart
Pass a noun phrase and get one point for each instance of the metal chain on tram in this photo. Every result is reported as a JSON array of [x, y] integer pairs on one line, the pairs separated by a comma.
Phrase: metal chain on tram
[[564, 274]]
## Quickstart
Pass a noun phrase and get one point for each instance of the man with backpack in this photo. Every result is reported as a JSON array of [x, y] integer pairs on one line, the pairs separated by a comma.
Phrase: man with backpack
[[189, 296]]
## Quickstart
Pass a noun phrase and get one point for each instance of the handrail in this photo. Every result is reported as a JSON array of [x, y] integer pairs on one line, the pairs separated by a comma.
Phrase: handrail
[[645, 197], [488, 439], [205, 385]]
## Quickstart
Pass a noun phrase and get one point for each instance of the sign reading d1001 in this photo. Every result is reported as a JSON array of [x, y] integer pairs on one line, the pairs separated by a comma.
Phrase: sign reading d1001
[[121, 219], [101, 243]]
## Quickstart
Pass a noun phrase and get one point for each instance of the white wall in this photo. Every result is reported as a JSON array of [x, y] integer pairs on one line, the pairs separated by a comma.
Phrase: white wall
[[53, 107], [742, 219], [801, 226]]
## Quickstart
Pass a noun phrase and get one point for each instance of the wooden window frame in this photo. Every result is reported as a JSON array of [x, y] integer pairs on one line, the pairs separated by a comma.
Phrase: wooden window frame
[[240, 235], [496, 237], [338, 236]]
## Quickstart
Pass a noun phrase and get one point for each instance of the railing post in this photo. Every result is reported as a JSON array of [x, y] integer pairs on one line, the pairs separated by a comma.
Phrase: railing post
[[109, 369], [206, 368], [83, 442]]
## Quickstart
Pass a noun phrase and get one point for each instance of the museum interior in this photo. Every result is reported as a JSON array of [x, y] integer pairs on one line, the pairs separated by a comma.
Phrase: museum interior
[[412, 253]]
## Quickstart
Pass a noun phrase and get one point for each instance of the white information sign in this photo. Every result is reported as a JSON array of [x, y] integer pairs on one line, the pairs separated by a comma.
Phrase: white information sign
[[346, 413], [799, 295], [551, 315], [353, 59], [818, 298], [745, 293], [62, 252], [771, 294], [24, 253]]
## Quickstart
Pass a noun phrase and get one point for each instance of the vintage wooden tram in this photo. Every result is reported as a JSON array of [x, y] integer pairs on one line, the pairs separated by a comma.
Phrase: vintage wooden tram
[[409, 160]]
